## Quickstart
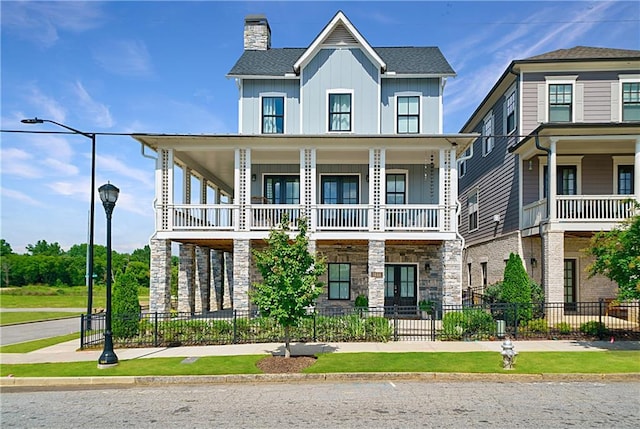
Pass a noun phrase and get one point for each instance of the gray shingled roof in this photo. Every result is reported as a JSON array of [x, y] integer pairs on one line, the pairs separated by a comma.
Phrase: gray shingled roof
[[402, 60], [587, 53]]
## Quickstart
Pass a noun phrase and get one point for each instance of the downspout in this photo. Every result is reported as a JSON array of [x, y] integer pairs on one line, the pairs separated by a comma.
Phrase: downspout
[[543, 265], [458, 203]]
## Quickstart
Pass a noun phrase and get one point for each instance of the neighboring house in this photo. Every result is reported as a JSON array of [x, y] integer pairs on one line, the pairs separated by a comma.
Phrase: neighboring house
[[559, 163], [344, 134]]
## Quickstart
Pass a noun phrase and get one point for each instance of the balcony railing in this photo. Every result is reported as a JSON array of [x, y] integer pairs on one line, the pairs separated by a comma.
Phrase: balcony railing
[[580, 208], [322, 217]]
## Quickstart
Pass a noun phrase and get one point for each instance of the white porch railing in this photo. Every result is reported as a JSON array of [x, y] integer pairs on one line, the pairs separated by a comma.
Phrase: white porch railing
[[534, 213], [324, 217], [593, 207], [412, 217], [580, 208]]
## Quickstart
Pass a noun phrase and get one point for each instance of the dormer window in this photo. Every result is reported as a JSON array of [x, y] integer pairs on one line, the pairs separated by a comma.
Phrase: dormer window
[[272, 115], [560, 102], [408, 115], [340, 112]]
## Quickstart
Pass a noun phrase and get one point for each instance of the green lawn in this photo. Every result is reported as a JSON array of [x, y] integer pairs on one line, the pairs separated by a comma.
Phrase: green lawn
[[30, 346], [58, 297], [8, 318], [475, 362]]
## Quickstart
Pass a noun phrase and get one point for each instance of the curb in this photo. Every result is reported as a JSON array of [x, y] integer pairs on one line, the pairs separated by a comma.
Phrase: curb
[[436, 377]]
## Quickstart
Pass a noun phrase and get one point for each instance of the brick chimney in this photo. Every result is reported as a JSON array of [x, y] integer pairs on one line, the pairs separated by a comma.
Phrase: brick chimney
[[257, 33]]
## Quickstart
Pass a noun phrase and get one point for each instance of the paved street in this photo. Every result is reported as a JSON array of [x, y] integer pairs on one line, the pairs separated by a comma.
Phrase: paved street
[[34, 331], [398, 404]]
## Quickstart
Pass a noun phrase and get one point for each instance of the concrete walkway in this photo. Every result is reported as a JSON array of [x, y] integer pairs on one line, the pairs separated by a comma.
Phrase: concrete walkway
[[68, 351]]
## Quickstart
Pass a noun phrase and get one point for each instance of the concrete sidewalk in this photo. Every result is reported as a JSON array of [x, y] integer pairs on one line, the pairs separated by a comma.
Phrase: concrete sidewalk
[[68, 351]]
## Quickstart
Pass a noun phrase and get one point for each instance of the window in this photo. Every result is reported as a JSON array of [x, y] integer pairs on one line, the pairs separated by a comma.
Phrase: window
[[339, 281], [273, 115], [339, 189], [631, 101], [625, 179], [282, 189], [339, 112], [511, 113], [570, 283], [396, 189], [469, 280], [408, 115], [566, 180], [487, 132], [560, 102], [472, 205], [483, 268]]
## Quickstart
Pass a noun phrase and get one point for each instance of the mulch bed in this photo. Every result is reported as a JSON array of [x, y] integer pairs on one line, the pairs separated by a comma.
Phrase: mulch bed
[[282, 365]]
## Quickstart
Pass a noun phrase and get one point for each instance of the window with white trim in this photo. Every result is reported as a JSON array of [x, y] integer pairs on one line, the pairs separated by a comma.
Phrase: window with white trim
[[623, 175], [631, 101], [272, 115], [472, 206], [340, 110], [408, 114], [560, 102], [487, 133], [510, 108], [462, 165]]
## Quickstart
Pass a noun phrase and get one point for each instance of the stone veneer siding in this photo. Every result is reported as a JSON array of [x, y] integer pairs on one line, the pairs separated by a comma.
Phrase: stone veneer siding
[[494, 252], [203, 284], [160, 276], [186, 277], [241, 274], [376, 265], [553, 259], [215, 294], [227, 281], [451, 254], [429, 278]]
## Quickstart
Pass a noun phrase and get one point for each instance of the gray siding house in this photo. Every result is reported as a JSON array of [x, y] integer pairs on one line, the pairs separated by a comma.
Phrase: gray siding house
[[559, 162], [341, 133]]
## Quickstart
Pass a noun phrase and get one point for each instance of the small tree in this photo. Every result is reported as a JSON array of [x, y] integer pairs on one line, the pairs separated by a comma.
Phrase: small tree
[[290, 278], [617, 254], [516, 287], [126, 307]]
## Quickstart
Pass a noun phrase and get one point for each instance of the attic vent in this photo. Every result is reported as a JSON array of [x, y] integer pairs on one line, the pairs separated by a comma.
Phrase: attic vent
[[340, 36]]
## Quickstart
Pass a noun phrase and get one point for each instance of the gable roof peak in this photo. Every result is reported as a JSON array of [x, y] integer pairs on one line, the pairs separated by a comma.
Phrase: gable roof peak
[[339, 32]]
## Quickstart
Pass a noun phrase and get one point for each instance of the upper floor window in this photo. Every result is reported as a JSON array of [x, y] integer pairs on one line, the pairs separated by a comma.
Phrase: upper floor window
[[631, 101], [282, 189], [396, 188], [339, 189], [487, 132], [472, 206], [511, 112], [625, 180], [340, 112], [273, 115], [560, 102], [462, 165], [408, 114]]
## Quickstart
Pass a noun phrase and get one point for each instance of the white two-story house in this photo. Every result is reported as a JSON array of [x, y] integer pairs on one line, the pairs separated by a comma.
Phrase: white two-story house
[[341, 133], [560, 161]]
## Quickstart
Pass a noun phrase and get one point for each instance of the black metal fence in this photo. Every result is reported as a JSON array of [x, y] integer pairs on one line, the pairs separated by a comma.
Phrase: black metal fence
[[450, 323]]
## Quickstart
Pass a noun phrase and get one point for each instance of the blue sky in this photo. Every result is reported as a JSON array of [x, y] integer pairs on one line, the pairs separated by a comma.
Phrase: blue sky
[[159, 67]]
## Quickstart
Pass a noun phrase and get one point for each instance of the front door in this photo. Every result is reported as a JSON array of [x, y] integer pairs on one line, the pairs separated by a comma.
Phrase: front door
[[570, 285], [400, 286]]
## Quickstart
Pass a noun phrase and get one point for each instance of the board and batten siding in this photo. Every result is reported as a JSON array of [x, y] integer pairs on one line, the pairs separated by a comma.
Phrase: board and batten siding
[[340, 69], [429, 92], [253, 89]]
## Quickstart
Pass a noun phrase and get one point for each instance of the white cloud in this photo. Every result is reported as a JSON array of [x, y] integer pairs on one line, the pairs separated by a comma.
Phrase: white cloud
[[97, 112], [124, 57], [60, 168], [112, 164], [20, 196], [18, 162], [70, 189], [42, 22], [48, 106]]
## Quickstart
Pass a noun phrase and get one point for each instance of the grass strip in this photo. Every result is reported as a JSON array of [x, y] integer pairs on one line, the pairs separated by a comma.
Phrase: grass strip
[[470, 362], [30, 346], [9, 318]]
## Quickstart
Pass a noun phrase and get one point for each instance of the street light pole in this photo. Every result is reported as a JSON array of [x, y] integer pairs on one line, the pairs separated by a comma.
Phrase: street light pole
[[109, 196], [91, 136]]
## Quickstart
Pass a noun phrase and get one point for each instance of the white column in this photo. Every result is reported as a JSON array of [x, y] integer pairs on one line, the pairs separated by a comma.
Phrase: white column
[[242, 186], [164, 190], [377, 188], [636, 171], [186, 186], [308, 186], [551, 197]]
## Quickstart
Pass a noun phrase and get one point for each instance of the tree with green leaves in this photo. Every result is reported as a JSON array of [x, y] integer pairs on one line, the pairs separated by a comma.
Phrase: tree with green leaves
[[516, 288], [617, 257], [290, 276], [45, 249], [126, 307]]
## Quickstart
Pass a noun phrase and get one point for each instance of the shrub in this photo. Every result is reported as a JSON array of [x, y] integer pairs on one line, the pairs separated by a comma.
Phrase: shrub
[[362, 301], [563, 328], [126, 308], [593, 328], [472, 323], [377, 329], [538, 325], [516, 289]]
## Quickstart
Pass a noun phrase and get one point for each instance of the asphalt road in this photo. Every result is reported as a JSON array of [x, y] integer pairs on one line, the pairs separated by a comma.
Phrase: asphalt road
[[400, 404], [12, 334]]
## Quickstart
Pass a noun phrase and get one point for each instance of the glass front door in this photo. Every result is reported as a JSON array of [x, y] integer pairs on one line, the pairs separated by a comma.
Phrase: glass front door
[[400, 286]]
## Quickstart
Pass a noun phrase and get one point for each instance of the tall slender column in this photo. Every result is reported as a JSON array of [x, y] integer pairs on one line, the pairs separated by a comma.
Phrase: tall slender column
[[376, 273], [203, 269], [227, 280], [160, 276], [553, 180], [241, 274], [451, 254], [636, 171], [215, 296], [186, 279]]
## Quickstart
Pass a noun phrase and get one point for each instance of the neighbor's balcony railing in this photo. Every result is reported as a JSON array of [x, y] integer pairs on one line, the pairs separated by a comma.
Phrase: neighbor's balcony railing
[[580, 208], [323, 217]]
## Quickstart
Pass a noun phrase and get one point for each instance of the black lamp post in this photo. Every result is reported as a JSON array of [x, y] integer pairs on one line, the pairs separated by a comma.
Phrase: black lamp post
[[109, 196], [91, 136]]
